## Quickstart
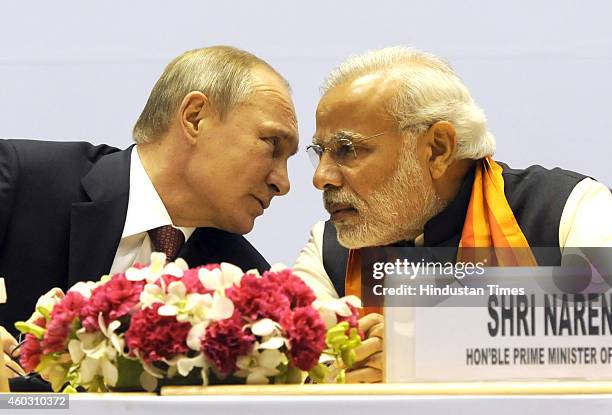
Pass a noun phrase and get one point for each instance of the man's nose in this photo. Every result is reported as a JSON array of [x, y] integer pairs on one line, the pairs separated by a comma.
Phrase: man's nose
[[278, 180], [327, 173]]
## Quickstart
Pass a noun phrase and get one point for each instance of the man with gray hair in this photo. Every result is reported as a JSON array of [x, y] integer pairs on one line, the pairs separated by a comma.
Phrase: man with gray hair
[[211, 152], [403, 157]]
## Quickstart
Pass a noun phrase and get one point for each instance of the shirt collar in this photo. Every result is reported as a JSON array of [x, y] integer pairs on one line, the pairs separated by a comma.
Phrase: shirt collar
[[145, 208]]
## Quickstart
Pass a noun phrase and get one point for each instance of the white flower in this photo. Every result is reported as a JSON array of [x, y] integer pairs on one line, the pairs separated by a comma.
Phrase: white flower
[[181, 263], [84, 288], [117, 342], [273, 343], [167, 310], [151, 294], [264, 327], [97, 357], [330, 307], [194, 337], [219, 279], [136, 274], [185, 364], [176, 292], [218, 307], [45, 304], [270, 333], [158, 260], [75, 350], [352, 300], [152, 272], [173, 269], [259, 366], [253, 271]]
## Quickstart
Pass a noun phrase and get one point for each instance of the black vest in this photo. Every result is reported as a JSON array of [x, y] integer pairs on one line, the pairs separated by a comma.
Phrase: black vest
[[536, 196]]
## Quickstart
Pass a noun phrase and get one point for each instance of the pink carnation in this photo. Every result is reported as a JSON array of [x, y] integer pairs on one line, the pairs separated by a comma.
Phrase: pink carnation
[[353, 320], [156, 337], [31, 350], [190, 279], [225, 341], [63, 316], [306, 333], [297, 292], [114, 299], [257, 298]]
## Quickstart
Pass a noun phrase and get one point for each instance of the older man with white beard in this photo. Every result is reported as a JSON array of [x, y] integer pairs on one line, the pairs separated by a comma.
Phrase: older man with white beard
[[403, 157]]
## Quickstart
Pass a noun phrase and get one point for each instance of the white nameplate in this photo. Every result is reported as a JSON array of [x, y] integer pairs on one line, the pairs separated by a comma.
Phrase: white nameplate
[[476, 343]]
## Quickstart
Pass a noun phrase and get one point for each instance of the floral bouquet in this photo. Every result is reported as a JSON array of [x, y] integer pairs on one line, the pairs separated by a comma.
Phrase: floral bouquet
[[166, 324]]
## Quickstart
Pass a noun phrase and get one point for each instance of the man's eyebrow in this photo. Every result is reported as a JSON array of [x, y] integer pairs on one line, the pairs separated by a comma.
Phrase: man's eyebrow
[[286, 135], [347, 135], [339, 135]]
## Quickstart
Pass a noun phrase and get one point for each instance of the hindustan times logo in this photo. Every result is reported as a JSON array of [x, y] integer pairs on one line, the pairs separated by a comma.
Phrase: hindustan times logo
[[404, 267]]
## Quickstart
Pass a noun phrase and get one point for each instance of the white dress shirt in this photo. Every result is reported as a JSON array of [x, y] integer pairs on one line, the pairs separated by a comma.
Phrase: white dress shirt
[[145, 211], [586, 221]]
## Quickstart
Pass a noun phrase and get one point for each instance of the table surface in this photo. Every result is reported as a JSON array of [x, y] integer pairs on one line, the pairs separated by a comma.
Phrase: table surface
[[475, 398]]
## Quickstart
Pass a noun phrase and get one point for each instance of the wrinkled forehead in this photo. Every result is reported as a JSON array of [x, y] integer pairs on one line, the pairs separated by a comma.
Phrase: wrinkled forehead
[[358, 107]]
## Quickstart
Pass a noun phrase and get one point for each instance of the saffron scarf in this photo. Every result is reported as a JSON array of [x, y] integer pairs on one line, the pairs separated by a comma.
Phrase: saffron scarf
[[489, 223]]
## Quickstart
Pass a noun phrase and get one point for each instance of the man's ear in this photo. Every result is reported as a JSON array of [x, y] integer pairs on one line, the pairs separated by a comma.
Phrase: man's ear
[[194, 109], [441, 138]]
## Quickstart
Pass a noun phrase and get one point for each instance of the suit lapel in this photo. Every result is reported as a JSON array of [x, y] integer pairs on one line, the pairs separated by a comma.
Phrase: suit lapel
[[96, 226]]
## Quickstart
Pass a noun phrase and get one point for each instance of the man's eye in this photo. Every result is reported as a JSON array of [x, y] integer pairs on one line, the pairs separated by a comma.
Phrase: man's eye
[[345, 150], [273, 141]]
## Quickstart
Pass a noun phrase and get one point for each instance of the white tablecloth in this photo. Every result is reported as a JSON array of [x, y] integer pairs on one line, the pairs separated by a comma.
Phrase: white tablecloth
[[336, 405]]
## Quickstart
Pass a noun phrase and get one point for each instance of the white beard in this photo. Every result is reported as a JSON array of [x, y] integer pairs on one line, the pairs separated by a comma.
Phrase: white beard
[[397, 211]]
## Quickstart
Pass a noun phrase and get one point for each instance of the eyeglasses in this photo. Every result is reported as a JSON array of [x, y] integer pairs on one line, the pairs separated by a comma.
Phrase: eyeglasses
[[342, 149]]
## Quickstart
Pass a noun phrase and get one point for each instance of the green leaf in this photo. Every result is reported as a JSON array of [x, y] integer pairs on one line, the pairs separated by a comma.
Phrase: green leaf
[[31, 328], [129, 374], [319, 373], [348, 357]]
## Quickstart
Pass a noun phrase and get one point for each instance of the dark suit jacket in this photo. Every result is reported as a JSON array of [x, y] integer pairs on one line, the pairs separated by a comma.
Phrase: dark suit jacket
[[62, 212]]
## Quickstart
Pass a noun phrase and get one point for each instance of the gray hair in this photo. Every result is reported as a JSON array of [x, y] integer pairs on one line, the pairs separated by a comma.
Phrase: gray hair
[[429, 91], [222, 73]]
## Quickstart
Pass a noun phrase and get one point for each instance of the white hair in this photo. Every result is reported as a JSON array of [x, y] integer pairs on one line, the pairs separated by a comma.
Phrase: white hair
[[429, 91]]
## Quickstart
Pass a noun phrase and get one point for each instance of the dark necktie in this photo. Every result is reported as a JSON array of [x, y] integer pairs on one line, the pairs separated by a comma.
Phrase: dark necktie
[[168, 240]]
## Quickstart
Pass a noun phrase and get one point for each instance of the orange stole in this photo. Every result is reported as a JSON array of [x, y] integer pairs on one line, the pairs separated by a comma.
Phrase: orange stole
[[352, 285], [489, 223]]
